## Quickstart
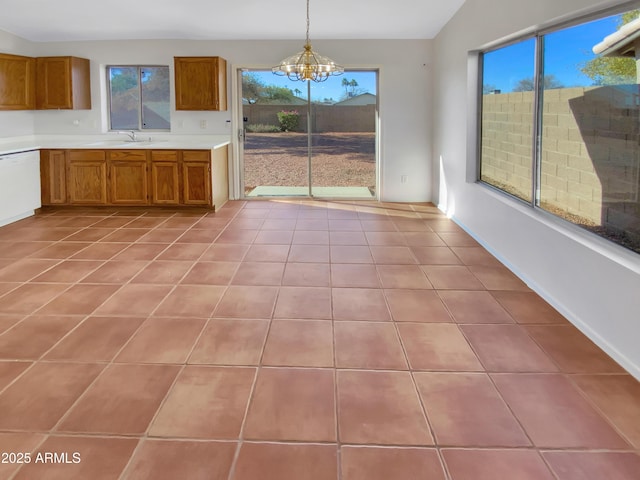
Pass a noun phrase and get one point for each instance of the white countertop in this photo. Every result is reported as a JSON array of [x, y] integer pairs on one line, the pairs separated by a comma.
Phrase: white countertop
[[112, 141]]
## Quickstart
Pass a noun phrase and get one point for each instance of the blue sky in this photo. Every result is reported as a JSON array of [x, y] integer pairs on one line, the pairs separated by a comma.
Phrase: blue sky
[[331, 88], [565, 51]]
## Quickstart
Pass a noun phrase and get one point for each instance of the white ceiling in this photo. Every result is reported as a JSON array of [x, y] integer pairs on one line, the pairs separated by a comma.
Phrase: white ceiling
[[63, 20]]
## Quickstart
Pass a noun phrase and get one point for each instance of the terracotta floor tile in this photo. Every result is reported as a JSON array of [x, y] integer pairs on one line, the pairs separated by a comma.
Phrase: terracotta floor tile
[[497, 278], [310, 237], [474, 307], [26, 269], [80, 299], [198, 236], [224, 253], [191, 301], [475, 256], [554, 414], [378, 225], [274, 237], [309, 253], [122, 401], [128, 235], [312, 224], [465, 409], [33, 336], [97, 339], [285, 213], [368, 345], [162, 340], [5, 288], [385, 239], [69, 271], [115, 271], [237, 236], [304, 302], [231, 342], [507, 348], [29, 297], [618, 397], [528, 307], [495, 464], [437, 346], [267, 253], [594, 465], [9, 371], [183, 251], [205, 402], [100, 251], [359, 304], [403, 276], [279, 224], [411, 225], [100, 459], [183, 223], [375, 463], [212, 223], [572, 350], [135, 300], [247, 302], [258, 273], [417, 306], [86, 235], [307, 275], [8, 321], [60, 250], [17, 442], [452, 277], [41, 396], [111, 222], [393, 255], [458, 239], [350, 254], [143, 251], [347, 238], [299, 343], [163, 272], [381, 408], [269, 461], [162, 235], [292, 404], [246, 223], [354, 275], [168, 460], [19, 250], [434, 255], [350, 224], [211, 273], [423, 239]]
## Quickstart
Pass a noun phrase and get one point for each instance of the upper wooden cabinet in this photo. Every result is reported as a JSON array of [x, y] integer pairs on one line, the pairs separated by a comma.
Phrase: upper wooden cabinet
[[17, 82], [201, 83], [63, 83]]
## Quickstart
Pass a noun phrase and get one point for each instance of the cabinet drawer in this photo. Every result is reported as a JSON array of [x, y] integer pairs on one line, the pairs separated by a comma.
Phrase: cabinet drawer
[[196, 155], [87, 155], [164, 155], [138, 155]]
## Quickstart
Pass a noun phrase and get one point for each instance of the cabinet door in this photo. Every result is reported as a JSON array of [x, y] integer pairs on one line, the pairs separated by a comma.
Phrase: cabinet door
[[63, 83], [87, 182], [200, 83], [53, 177], [128, 182], [196, 178], [165, 187], [17, 82]]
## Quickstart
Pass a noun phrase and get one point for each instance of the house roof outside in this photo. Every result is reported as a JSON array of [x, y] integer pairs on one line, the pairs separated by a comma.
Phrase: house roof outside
[[621, 43], [362, 99]]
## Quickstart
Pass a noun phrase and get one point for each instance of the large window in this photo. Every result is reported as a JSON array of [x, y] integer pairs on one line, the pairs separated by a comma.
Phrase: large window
[[560, 124], [138, 98]]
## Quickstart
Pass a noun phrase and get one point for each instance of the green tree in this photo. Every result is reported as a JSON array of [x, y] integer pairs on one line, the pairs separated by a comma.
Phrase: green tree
[[528, 84], [613, 70], [254, 90]]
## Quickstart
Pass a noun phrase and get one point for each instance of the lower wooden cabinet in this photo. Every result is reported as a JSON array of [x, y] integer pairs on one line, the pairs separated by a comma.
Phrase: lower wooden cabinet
[[130, 177]]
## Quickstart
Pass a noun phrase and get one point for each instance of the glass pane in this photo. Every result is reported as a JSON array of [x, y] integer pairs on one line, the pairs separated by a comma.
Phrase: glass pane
[[275, 147], [155, 98], [343, 122], [507, 118], [590, 155], [125, 98]]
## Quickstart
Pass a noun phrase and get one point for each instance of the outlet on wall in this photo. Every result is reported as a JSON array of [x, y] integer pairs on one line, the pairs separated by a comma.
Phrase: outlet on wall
[[203, 124], [404, 178]]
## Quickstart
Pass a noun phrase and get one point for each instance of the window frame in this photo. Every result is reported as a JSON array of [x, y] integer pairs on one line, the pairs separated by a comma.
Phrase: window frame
[[475, 123], [141, 104]]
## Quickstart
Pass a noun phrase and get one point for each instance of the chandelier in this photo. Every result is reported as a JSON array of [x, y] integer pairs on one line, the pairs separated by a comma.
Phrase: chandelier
[[308, 65]]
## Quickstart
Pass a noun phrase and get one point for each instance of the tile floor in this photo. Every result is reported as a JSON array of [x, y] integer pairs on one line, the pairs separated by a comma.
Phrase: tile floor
[[293, 341]]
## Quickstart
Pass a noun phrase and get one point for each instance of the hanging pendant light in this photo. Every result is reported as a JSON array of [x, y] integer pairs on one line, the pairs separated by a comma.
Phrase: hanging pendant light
[[308, 65]]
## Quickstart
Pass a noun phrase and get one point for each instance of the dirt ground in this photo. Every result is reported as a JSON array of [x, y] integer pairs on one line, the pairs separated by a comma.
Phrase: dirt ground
[[338, 159]]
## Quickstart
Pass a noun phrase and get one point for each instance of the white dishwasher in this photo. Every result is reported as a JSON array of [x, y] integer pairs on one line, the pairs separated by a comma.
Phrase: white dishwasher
[[19, 185]]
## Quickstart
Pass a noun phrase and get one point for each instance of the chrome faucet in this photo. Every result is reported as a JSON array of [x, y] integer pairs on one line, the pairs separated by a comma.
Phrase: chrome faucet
[[131, 134]]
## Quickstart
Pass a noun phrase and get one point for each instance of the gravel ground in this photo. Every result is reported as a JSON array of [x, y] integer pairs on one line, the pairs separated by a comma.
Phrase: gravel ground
[[339, 159]]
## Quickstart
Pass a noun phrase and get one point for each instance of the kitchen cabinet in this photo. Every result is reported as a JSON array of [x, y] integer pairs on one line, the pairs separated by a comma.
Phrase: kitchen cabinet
[[200, 83], [17, 82], [165, 177], [128, 177], [19, 186], [63, 83], [196, 177], [53, 177], [87, 177]]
